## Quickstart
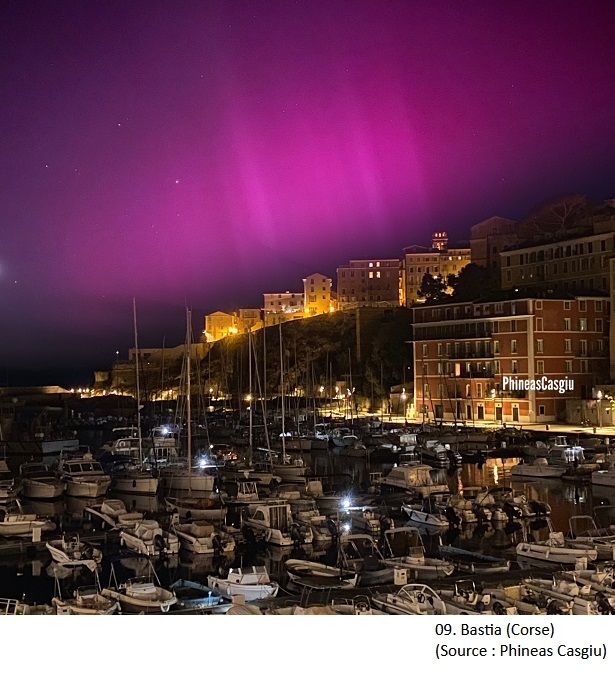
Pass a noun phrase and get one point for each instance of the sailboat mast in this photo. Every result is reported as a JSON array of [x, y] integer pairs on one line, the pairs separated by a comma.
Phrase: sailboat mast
[[250, 394], [282, 395], [188, 386], [134, 319]]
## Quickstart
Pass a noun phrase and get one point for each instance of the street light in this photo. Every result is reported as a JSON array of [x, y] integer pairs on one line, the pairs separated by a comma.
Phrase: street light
[[600, 395], [493, 394]]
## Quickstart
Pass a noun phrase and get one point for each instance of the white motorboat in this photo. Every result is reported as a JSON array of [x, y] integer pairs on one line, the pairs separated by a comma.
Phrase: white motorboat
[[411, 599], [149, 539], [293, 471], [86, 601], [84, 477], [403, 548], [465, 599], [415, 479], [474, 562], [39, 483], [323, 528], [365, 520], [430, 513], [113, 513], [359, 553], [555, 550], [16, 523], [141, 595], [132, 478], [584, 533], [70, 552], [253, 583], [193, 480], [200, 537], [273, 522], [343, 437], [538, 469]]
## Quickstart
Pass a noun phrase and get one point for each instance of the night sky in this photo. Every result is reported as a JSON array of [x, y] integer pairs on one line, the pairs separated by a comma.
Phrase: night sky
[[206, 152]]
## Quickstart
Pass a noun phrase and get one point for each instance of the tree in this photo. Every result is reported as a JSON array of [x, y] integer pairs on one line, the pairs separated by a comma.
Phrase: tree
[[472, 282], [433, 289], [554, 217]]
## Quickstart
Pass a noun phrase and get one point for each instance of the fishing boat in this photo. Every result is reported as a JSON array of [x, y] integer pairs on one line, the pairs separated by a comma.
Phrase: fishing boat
[[411, 599], [539, 468], [200, 537], [86, 601], [365, 520], [39, 483], [84, 477], [148, 538], [554, 550], [70, 552], [273, 522], [198, 597], [141, 595], [252, 583], [403, 548]]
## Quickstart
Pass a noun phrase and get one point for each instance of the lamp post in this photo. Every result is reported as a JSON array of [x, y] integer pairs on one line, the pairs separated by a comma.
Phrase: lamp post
[[404, 397], [493, 394], [600, 395]]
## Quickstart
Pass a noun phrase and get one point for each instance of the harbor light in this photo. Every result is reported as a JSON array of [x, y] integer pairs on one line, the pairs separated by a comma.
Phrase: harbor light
[[346, 503]]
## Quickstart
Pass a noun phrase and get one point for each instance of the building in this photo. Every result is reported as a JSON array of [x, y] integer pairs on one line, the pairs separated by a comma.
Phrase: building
[[470, 359], [439, 260], [282, 306], [249, 319], [368, 282], [219, 325], [489, 237], [317, 293]]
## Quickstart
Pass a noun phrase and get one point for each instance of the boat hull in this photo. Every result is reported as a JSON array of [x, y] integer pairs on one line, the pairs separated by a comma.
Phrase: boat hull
[[250, 592], [87, 489], [40, 490], [139, 485]]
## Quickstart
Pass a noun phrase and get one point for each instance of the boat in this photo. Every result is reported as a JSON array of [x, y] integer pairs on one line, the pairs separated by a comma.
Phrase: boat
[[584, 532], [291, 470], [465, 599], [324, 528], [86, 601], [415, 479], [365, 520], [39, 483], [555, 550], [411, 599], [298, 570], [198, 597], [113, 513], [141, 595], [343, 437], [200, 537], [179, 477], [273, 522], [403, 548], [582, 599], [70, 552], [149, 539], [84, 477], [132, 478], [438, 454], [242, 491], [359, 553], [8, 489], [14, 523], [252, 583], [205, 509], [473, 562], [539, 468], [604, 478], [432, 512]]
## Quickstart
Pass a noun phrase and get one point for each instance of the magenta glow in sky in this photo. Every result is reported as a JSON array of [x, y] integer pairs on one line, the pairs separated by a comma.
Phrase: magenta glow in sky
[[208, 152]]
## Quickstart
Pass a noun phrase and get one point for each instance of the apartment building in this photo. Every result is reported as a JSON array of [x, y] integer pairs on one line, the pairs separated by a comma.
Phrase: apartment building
[[317, 295], [471, 359], [282, 306], [439, 260], [489, 237], [368, 282]]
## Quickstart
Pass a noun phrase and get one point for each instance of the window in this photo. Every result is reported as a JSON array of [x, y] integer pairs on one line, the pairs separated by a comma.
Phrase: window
[[539, 305], [584, 366], [598, 306], [539, 345], [479, 390], [439, 367], [514, 367], [567, 324], [448, 349], [468, 368], [598, 324], [541, 409], [539, 324], [439, 349], [567, 305], [567, 346], [568, 366], [371, 264], [425, 370], [496, 347], [513, 346], [582, 305], [371, 273], [424, 350], [468, 390], [583, 324], [540, 366], [377, 274], [583, 344], [496, 367]]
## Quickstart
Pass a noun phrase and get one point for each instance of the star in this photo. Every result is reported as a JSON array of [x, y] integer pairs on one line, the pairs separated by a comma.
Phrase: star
[[176, 181]]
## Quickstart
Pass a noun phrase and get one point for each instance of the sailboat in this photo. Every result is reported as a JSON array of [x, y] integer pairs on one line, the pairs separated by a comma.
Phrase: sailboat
[[294, 471], [132, 478], [201, 480]]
